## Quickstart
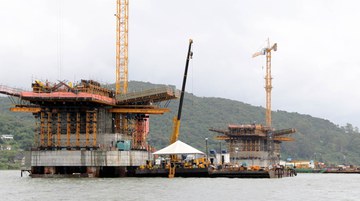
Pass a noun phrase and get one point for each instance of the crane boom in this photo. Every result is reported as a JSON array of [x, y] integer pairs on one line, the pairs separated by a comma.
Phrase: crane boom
[[122, 17], [176, 120]]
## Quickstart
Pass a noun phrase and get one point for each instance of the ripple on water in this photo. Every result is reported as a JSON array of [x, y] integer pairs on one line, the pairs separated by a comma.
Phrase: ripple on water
[[318, 187]]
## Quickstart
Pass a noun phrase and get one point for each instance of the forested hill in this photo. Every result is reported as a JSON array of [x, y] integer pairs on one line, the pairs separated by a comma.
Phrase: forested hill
[[316, 138], [18, 124]]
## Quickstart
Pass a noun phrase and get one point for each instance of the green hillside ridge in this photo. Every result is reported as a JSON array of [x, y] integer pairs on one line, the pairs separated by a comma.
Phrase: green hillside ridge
[[19, 125], [316, 138]]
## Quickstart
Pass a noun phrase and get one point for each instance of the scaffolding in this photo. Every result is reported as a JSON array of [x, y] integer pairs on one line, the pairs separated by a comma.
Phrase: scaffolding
[[65, 128], [89, 116], [254, 144]]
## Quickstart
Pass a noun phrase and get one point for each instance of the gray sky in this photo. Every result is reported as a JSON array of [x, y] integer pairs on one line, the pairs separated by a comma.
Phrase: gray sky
[[315, 70]]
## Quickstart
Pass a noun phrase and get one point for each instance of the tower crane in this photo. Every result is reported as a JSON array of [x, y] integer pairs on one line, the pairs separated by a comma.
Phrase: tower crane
[[122, 17], [122, 29], [267, 51]]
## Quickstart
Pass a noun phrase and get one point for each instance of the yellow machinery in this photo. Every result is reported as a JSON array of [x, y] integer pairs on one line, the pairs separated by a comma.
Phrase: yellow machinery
[[267, 51], [176, 120]]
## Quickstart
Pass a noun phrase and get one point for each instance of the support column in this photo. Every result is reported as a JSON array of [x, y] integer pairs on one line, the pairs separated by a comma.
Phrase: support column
[[124, 124], [93, 171], [49, 170], [94, 129], [37, 130], [68, 129], [49, 129], [58, 130], [78, 129], [117, 123], [140, 133], [87, 128], [42, 129]]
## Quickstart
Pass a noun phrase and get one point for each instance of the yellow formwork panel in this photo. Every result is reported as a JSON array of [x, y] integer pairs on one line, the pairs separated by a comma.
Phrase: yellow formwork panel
[[140, 110], [25, 109]]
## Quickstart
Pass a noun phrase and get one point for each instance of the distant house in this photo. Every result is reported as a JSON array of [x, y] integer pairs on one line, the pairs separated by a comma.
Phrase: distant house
[[5, 147], [7, 137]]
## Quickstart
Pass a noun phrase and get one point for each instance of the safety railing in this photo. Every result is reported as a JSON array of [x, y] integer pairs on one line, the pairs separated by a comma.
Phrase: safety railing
[[10, 90], [167, 90]]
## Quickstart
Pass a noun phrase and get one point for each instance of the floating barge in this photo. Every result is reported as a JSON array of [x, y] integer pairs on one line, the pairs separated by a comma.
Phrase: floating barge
[[226, 173], [194, 166], [341, 171]]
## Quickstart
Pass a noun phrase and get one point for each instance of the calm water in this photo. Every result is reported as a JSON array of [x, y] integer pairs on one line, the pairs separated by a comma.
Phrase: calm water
[[303, 187]]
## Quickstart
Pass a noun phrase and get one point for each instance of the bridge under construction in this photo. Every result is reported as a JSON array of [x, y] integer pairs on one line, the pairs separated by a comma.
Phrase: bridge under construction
[[86, 129]]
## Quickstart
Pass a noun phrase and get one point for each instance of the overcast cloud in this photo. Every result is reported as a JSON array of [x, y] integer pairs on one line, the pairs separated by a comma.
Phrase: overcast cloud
[[315, 70]]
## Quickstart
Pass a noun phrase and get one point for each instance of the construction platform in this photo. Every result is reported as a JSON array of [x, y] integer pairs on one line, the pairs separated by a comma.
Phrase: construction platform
[[84, 129], [254, 144]]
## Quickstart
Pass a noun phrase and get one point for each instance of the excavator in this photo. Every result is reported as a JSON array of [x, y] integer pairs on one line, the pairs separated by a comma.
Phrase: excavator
[[177, 119]]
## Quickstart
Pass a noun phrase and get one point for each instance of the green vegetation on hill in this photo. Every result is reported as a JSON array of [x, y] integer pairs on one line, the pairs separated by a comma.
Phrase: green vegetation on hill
[[316, 138], [19, 125]]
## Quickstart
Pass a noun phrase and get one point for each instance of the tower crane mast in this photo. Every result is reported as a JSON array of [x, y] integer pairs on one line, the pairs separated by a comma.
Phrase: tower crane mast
[[122, 17], [268, 86]]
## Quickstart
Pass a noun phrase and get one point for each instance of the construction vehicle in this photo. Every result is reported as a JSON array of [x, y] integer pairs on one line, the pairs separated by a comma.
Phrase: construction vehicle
[[177, 119]]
